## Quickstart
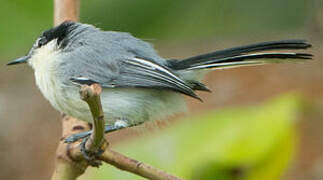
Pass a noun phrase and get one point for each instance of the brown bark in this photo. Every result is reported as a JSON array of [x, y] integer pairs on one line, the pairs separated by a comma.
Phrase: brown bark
[[127, 164]]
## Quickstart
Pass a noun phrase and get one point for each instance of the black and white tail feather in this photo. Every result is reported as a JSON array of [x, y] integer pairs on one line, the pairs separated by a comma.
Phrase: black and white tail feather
[[142, 72], [246, 56]]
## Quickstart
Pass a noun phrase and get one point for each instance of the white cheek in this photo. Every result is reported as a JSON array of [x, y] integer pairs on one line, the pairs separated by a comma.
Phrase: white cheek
[[40, 57]]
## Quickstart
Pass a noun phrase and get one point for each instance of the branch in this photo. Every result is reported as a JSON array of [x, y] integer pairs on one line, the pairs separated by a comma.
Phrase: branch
[[127, 164], [66, 10], [70, 161], [91, 94], [67, 167]]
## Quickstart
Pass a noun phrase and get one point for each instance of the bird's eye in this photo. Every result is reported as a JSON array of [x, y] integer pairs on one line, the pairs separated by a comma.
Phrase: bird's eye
[[41, 42]]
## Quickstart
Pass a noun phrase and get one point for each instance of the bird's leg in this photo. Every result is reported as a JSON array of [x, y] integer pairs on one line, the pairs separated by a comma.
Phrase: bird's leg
[[82, 135], [78, 136], [91, 157], [119, 124]]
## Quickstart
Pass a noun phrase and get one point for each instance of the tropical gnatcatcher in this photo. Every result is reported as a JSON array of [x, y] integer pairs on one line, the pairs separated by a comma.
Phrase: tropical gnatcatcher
[[138, 84]]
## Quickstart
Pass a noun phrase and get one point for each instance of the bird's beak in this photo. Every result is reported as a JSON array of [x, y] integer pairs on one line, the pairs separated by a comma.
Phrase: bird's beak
[[20, 60]]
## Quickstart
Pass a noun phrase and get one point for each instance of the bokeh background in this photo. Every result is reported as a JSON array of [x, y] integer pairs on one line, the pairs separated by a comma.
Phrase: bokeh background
[[261, 122]]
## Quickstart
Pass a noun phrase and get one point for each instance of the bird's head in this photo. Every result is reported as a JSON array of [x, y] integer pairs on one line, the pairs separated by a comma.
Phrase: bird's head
[[50, 41]]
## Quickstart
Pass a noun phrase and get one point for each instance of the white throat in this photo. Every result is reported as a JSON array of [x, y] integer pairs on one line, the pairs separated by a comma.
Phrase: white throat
[[41, 55], [44, 61]]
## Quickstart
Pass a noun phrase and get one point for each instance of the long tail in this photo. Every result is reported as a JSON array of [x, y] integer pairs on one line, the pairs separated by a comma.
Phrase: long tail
[[246, 55]]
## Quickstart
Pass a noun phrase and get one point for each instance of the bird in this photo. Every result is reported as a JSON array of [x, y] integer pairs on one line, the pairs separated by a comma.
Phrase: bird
[[138, 84]]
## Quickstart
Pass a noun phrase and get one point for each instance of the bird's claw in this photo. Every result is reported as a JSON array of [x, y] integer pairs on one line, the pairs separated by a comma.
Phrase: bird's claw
[[91, 157]]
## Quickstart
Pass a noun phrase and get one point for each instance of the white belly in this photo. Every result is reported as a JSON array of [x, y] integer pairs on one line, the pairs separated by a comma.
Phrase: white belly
[[133, 105]]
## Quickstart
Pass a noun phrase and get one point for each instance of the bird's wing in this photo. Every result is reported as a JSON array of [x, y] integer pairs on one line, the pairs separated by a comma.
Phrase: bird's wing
[[138, 72]]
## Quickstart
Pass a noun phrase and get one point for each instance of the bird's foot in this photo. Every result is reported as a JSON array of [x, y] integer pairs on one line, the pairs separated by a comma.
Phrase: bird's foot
[[89, 156]]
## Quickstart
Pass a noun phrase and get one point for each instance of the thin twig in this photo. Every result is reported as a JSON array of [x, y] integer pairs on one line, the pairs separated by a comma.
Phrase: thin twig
[[127, 164], [91, 95]]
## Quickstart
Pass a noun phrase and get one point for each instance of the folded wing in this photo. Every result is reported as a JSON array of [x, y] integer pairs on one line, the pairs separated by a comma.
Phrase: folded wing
[[138, 72]]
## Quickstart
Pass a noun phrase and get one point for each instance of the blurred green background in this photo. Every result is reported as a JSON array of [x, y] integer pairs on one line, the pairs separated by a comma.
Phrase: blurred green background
[[167, 20], [244, 130]]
